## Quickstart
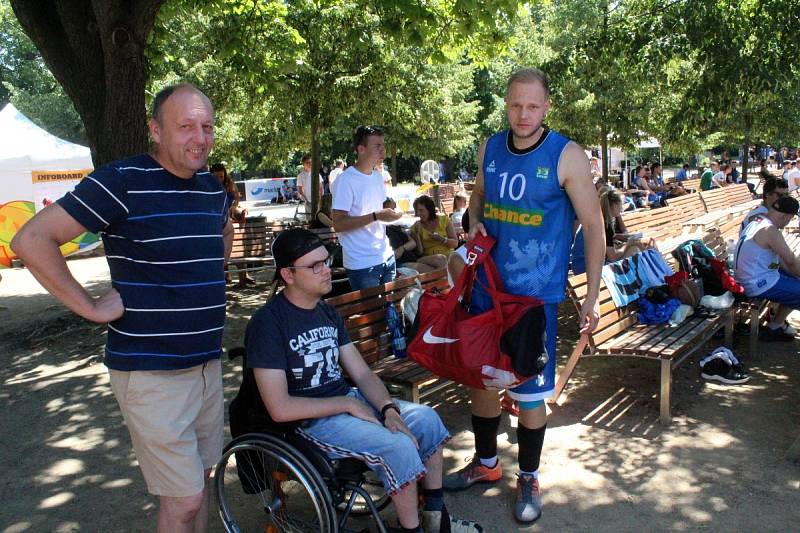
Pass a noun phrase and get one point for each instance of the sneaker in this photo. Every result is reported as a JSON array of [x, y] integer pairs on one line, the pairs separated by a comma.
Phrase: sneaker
[[789, 330], [719, 370], [767, 334], [442, 522], [473, 473], [528, 505]]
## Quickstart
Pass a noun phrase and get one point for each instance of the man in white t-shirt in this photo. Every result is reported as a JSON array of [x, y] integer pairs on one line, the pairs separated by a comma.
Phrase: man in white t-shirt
[[719, 179], [358, 214], [304, 181], [338, 168], [793, 176], [774, 188], [387, 178]]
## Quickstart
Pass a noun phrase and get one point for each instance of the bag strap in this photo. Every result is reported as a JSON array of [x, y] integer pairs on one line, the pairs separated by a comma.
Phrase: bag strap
[[478, 251]]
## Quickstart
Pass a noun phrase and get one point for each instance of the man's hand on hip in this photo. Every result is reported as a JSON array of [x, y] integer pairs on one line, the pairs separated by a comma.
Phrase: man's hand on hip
[[107, 307]]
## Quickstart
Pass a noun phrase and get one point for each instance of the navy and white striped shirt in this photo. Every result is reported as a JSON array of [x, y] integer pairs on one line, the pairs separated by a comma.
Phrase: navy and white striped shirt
[[163, 241]]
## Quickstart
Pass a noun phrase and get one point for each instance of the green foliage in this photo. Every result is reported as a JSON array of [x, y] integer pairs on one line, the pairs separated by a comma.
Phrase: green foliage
[[28, 84]]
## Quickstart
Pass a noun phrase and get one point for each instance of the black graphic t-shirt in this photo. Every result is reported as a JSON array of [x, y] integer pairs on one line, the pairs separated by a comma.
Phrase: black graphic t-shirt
[[303, 342]]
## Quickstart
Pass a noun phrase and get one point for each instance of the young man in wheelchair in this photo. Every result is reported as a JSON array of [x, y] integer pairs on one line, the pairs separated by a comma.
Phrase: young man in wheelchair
[[295, 345]]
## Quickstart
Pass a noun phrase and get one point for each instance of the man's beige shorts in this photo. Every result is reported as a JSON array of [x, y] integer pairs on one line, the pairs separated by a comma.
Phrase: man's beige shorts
[[175, 418]]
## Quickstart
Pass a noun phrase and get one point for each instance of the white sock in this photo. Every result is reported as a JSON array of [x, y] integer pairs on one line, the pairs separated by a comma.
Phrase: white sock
[[774, 325], [491, 462], [535, 474]]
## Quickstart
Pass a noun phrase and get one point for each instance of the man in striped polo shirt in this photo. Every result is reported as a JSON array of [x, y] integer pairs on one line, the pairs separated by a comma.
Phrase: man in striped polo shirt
[[164, 224]]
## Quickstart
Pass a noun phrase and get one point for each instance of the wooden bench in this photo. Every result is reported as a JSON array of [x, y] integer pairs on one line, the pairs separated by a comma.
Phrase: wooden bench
[[653, 223], [738, 194], [687, 207], [252, 243], [715, 199], [364, 314], [619, 334], [691, 184]]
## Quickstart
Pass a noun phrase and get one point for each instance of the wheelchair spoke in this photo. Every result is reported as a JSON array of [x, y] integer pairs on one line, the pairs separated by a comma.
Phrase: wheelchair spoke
[[262, 489]]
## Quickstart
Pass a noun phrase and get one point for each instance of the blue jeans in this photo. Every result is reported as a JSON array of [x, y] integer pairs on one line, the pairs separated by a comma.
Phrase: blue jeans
[[364, 278], [392, 456]]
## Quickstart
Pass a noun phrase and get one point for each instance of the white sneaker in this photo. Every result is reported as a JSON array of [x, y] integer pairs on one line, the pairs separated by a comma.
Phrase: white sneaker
[[789, 330]]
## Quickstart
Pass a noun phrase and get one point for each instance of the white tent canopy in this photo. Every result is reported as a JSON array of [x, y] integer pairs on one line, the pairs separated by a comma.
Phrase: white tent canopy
[[24, 147]]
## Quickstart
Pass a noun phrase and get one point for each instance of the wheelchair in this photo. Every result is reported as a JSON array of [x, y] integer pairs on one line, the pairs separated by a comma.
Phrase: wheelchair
[[272, 480]]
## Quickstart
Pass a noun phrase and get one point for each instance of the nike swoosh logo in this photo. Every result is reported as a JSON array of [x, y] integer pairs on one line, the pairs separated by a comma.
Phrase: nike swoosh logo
[[430, 338]]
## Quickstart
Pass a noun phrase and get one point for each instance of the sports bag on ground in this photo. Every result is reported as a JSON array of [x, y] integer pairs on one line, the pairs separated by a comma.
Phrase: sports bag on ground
[[500, 348]]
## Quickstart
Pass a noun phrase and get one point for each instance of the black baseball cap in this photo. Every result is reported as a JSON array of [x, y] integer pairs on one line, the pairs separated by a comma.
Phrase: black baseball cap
[[787, 205], [290, 245]]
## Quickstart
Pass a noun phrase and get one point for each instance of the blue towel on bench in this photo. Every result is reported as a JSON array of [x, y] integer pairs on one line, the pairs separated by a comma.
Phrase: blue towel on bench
[[628, 277]]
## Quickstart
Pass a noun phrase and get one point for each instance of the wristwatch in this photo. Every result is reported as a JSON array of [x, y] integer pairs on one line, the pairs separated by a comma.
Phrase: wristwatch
[[388, 406]]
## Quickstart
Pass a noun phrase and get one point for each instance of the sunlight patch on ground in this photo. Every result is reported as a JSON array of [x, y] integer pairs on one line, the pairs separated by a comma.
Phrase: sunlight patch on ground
[[117, 483], [19, 527], [80, 442], [60, 469], [56, 500], [45, 371], [709, 439]]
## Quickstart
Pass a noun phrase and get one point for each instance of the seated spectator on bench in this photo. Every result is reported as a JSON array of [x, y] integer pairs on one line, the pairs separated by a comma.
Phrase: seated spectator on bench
[[298, 345], [434, 234], [683, 174], [793, 176], [288, 193], [459, 208], [767, 268], [403, 245], [774, 188], [720, 177], [655, 193], [611, 205], [706, 175]]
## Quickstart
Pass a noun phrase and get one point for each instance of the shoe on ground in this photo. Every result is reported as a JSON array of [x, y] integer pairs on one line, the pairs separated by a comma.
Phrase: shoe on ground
[[719, 370], [473, 473], [767, 334], [528, 504], [789, 330], [442, 522]]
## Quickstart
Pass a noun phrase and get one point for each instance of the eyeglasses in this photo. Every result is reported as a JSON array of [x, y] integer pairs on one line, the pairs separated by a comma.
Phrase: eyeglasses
[[316, 268]]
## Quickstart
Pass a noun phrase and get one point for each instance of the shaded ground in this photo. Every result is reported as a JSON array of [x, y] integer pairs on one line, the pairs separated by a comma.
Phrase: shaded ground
[[67, 464]]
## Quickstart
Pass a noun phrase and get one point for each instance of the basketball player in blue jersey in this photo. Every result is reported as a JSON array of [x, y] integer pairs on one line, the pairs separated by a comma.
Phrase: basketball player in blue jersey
[[531, 183]]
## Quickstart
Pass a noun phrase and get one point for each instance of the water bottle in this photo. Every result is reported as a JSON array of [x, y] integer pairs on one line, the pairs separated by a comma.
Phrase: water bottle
[[731, 251], [396, 330]]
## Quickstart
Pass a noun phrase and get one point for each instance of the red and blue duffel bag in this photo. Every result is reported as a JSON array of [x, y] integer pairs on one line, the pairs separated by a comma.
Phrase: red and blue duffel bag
[[500, 348]]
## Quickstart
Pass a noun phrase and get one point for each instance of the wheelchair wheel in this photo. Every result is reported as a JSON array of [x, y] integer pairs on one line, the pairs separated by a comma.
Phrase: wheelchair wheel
[[372, 484], [264, 484]]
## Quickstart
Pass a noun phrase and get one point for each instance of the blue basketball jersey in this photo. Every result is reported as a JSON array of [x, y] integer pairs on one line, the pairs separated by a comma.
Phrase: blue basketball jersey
[[529, 214]]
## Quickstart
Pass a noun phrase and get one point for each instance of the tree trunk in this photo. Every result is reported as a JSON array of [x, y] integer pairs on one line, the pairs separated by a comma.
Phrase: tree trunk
[[315, 160], [95, 49], [604, 150], [395, 177], [748, 123]]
